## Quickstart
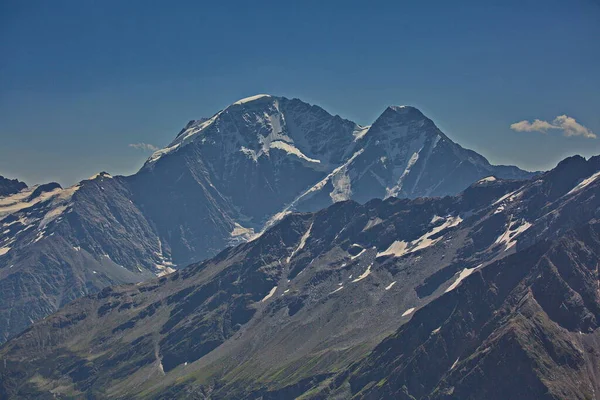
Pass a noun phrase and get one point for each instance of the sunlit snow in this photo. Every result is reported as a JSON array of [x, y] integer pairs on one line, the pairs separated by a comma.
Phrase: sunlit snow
[[399, 247], [463, 274], [586, 182], [268, 296], [337, 290], [364, 274], [408, 312], [360, 132], [514, 229], [487, 179], [358, 255], [303, 240], [291, 149], [251, 98]]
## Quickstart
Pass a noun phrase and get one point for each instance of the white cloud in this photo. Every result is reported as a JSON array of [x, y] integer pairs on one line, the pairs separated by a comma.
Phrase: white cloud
[[572, 127], [144, 146], [568, 125], [535, 126]]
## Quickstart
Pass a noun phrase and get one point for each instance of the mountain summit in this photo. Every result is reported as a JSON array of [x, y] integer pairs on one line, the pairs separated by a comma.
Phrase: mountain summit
[[221, 181]]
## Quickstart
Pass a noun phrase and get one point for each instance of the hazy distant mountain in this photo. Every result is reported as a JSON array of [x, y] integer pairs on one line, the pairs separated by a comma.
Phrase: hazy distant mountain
[[221, 181], [397, 298]]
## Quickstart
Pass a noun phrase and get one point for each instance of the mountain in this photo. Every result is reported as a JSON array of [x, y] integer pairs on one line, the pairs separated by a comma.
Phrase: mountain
[[221, 181], [403, 154], [524, 327], [373, 300], [10, 186]]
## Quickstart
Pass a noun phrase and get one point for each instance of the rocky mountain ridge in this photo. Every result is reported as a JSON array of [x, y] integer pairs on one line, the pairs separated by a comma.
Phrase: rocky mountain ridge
[[304, 309], [221, 181]]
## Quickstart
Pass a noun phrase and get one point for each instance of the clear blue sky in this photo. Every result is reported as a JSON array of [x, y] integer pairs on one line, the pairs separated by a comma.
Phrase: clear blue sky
[[81, 79]]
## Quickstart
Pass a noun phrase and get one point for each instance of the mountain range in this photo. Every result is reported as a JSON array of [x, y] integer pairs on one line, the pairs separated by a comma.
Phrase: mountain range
[[222, 181], [490, 293]]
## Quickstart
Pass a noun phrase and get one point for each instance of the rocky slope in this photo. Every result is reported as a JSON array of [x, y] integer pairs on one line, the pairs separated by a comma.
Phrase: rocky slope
[[302, 310], [221, 181], [523, 327]]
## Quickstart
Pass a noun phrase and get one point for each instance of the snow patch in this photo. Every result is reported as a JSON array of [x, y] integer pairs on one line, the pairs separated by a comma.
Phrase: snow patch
[[586, 182], [268, 296], [388, 287], [463, 274], [4, 250], [360, 132], [303, 240], [364, 274], [393, 191], [251, 98], [509, 196], [19, 201], [239, 230], [397, 249], [358, 255], [454, 365], [159, 153], [514, 229], [400, 247], [408, 312], [426, 241], [372, 222], [39, 237], [291, 149], [337, 290], [164, 270], [487, 179]]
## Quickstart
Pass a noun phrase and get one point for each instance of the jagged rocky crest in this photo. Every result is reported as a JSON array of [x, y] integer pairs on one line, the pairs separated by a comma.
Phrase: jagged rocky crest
[[10, 186]]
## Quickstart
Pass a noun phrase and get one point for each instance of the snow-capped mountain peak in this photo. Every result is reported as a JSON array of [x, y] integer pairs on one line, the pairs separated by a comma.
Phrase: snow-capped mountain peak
[[220, 179], [252, 98], [257, 124]]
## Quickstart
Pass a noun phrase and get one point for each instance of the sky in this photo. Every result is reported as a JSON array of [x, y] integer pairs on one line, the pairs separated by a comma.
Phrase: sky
[[82, 80]]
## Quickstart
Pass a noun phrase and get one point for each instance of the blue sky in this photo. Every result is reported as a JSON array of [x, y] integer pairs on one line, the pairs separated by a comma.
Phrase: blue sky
[[81, 80]]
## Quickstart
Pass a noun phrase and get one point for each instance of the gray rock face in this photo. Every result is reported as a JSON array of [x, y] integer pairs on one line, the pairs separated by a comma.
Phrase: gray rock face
[[10, 186], [222, 180], [505, 272]]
